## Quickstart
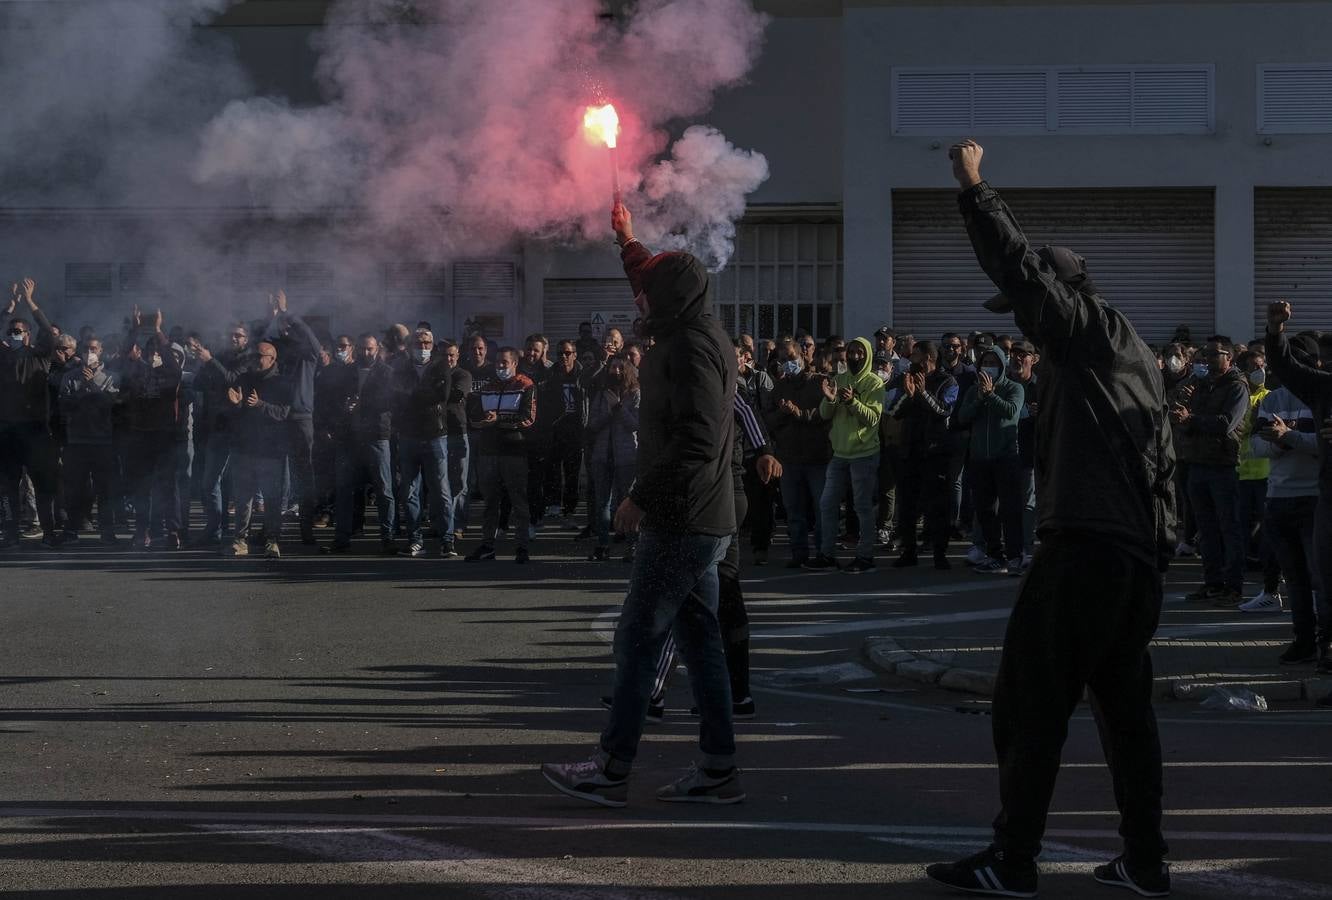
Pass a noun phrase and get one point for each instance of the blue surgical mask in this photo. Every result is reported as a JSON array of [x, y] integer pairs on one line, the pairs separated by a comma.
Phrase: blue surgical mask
[[344, 356], [421, 355], [504, 374], [793, 367], [1200, 370], [993, 371], [1258, 377]]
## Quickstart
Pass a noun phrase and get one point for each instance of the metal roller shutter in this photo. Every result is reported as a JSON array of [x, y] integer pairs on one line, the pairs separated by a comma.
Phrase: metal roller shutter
[[1292, 236], [568, 301], [1151, 253]]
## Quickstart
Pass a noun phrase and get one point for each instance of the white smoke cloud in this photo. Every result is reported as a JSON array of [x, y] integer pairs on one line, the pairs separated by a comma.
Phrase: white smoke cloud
[[471, 118]]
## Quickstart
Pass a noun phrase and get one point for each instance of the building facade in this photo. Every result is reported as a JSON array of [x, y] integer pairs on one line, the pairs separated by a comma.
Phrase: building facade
[[1182, 148]]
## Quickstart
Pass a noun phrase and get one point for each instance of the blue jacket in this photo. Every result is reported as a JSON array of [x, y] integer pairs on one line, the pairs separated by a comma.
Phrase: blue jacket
[[993, 417]]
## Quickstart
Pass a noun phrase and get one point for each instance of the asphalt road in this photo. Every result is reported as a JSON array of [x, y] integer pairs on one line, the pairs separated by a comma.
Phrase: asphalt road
[[359, 727]]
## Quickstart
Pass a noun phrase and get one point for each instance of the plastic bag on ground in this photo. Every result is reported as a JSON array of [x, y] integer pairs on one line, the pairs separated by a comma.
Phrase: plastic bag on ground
[[1234, 698]]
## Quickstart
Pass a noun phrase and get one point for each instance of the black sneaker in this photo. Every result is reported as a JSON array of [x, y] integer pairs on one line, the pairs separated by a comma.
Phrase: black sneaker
[[797, 563], [1207, 593], [520, 555], [1228, 598], [588, 781], [820, 563], [446, 550], [906, 561], [742, 710], [1146, 881], [989, 872], [858, 565], [1297, 654], [485, 551], [335, 548], [656, 711], [599, 554], [415, 548], [704, 786]]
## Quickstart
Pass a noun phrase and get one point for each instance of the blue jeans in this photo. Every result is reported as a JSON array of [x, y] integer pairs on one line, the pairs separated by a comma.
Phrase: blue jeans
[[863, 473], [673, 588], [1213, 493], [216, 458], [802, 492], [356, 463], [610, 485], [428, 459], [459, 457]]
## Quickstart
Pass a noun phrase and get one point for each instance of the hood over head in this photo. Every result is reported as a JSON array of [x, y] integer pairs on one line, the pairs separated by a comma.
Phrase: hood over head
[[1069, 267], [677, 288], [998, 351], [865, 367]]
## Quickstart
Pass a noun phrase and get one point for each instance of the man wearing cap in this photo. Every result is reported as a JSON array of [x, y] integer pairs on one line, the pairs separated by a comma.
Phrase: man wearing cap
[[1091, 601], [1211, 425]]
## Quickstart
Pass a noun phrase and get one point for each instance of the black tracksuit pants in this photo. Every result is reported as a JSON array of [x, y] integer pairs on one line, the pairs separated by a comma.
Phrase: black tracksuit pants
[[1084, 616]]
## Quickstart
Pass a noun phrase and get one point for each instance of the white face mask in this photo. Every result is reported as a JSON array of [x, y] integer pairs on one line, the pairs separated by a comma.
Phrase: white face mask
[[157, 360], [15, 341], [841, 368], [421, 354], [1175, 364], [344, 356], [793, 367], [91, 360], [504, 374]]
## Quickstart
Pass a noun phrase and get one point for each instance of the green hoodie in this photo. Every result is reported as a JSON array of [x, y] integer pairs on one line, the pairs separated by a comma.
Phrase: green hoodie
[[855, 424]]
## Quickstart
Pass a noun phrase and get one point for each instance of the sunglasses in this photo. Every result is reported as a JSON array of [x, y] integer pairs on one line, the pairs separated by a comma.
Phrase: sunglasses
[[568, 353]]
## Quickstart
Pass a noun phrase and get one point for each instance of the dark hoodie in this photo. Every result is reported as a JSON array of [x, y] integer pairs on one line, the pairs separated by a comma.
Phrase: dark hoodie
[[1104, 457], [686, 427], [992, 417]]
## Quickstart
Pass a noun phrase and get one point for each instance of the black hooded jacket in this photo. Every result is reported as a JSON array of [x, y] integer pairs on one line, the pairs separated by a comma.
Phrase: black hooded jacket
[[1104, 456], [686, 426]]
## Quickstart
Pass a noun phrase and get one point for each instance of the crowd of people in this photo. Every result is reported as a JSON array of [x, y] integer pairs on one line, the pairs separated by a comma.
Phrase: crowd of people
[[876, 437]]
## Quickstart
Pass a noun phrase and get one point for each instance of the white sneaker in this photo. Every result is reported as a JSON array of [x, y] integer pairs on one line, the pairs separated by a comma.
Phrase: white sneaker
[[1263, 603], [977, 555], [1184, 548]]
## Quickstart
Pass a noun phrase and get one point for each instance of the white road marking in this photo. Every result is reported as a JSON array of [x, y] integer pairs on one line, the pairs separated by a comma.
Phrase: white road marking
[[504, 878], [573, 823]]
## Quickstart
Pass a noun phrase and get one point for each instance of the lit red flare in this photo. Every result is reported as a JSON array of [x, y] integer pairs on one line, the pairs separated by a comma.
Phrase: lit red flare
[[603, 124]]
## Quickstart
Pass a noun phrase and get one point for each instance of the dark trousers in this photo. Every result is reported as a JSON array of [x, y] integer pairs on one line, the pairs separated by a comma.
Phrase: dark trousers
[[564, 464], [1251, 500], [300, 459], [263, 475], [28, 446], [538, 455], [504, 476], [1084, 617], [998, 494], [1289, 526], [89, 475], [1213, 491], [151, 463], [758, 498], [924, 484]]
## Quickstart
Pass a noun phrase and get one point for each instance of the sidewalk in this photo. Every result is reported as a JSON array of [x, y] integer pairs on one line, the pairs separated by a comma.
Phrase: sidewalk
[[1186, 669]]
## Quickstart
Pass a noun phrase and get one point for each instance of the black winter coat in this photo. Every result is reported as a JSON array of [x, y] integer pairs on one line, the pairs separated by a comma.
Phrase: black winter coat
[[686, 425], [1104, 456]]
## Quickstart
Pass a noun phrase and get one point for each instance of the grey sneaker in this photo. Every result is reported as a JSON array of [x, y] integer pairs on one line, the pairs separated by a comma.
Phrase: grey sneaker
[[700, 787], [587, 781]]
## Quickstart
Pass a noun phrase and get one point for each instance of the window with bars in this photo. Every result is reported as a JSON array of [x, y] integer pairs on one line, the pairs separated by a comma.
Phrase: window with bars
[[785, 277]]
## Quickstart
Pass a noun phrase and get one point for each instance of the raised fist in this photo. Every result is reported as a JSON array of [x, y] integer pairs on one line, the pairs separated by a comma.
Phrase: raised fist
[[1278, 314], [966, 157]]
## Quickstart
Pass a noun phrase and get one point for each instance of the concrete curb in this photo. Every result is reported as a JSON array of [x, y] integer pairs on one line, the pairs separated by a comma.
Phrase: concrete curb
[[887, 655]]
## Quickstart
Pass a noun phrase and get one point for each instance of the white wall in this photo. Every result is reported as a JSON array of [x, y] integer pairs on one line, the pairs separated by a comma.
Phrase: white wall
[[1234, 37]]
